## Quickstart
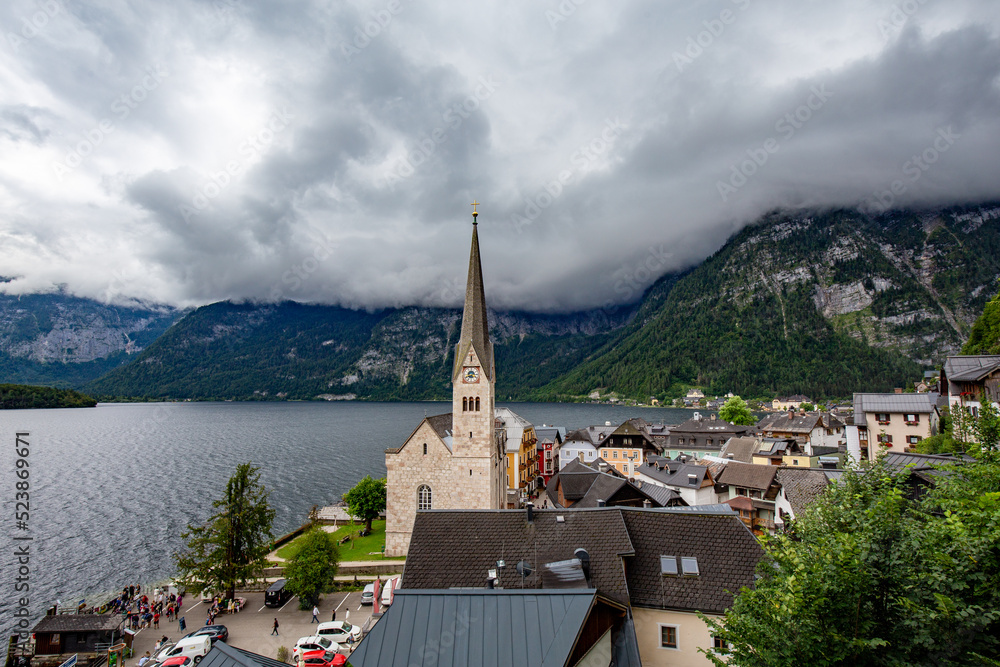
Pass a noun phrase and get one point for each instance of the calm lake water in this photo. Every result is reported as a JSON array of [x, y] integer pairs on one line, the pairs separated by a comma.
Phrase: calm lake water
[[113, 487]]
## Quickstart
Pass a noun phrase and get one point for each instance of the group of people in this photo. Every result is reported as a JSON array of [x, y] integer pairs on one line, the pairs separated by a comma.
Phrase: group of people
[[143, 612]]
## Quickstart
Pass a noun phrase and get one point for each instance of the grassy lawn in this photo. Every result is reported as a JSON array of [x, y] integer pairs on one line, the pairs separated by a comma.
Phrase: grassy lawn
[[357, 549]]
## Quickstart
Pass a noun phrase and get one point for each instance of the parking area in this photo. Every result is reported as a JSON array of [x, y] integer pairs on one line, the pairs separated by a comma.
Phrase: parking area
[[250, 629]]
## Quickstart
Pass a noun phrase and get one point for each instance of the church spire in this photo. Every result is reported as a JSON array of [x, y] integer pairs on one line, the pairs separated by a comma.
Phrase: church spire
[[475, 328]]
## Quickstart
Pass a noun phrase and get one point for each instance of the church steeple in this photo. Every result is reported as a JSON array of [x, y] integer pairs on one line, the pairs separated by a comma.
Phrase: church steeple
[[475, 334]]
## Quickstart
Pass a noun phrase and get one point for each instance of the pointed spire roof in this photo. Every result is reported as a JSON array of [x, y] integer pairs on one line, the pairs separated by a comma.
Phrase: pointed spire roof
[[475, 328]]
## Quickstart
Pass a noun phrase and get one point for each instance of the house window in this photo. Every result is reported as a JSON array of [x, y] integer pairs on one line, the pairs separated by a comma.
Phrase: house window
[[668, 636], [885, 438], [719, 644], [741, 491], [882, 417], [913, 439], [680, 441], [912, 419], [425, 449], [424, 497], [795, 462]]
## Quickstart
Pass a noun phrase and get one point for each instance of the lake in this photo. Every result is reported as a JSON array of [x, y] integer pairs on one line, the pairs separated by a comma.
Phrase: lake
[[113, 487]]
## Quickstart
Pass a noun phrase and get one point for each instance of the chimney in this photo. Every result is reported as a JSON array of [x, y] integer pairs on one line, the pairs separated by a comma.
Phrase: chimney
[[602, 503], [489, 582], [584, 558], [729, 456], [646, 503], [531, 511], [898, 390]]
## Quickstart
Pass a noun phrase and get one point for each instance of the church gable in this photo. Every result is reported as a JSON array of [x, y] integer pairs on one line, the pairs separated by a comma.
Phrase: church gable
[[435, 432]]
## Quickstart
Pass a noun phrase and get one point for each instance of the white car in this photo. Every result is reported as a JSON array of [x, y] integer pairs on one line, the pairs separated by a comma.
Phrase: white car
[[339, 631], [312, 643]]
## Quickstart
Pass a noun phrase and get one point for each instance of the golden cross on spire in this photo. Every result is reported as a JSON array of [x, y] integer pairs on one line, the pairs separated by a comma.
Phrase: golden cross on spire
[[475, 213]]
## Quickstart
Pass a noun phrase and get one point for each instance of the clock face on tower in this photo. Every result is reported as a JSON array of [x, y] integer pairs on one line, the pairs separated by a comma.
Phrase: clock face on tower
[[470, 374]]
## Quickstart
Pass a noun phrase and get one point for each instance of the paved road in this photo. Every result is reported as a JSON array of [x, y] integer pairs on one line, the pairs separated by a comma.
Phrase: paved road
[[250, 629]]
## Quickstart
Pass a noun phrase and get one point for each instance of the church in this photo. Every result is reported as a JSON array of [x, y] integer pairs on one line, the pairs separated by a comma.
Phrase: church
[[454, 460]]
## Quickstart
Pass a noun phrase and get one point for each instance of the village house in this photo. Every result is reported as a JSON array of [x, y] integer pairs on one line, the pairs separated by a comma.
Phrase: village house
[[789, 402], [781, 451], [626, 447], [750, 490], [59, 636], [890, 422], [967, 378], [819, 433], [699, 437], [582, 444], [550, 440], [657, 567], [695, 483], [741, 448], [799, 487], [694, 397], [521, 456], [580, 485]]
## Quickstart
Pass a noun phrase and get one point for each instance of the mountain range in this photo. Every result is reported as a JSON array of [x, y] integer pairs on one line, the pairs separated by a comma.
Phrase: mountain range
[[817, 302]]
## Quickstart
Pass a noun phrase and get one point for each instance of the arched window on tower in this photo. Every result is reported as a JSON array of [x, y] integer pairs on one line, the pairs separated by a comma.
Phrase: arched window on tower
[[477, 404], [465, 404], [425, 449], [423, 497]]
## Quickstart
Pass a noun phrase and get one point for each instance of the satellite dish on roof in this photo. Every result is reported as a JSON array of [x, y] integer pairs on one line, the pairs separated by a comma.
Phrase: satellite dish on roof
[[524, 568]]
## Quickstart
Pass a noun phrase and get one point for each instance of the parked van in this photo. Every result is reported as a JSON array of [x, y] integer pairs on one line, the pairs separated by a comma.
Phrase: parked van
[[192, 647], [277, 594], [388, 590], [368, 595]]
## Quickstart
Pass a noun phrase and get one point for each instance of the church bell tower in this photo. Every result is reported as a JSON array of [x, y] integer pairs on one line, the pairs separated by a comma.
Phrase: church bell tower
[[473, 379]]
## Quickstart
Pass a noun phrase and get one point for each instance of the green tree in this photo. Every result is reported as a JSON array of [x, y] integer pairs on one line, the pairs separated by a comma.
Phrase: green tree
[[985, 335], [311, 571], [869, 576], [737, 411], [231, 547], [366, 500], [808, 407]]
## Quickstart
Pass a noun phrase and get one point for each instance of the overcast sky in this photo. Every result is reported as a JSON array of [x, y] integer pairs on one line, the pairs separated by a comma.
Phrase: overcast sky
[[186, 152]]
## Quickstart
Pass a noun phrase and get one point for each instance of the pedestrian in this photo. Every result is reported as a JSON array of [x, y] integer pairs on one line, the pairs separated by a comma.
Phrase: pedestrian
[[315, 615], [144, 659], [274, 630], [156, 620], [334, 615]]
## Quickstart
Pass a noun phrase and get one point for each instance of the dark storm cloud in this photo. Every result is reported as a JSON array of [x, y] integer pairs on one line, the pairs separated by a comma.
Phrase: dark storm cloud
[[326, 151]]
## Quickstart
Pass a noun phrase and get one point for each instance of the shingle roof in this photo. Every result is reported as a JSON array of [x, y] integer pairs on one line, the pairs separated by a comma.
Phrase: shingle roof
[[727, 555], [749, 475], [795, 423], [708, 426], [801, 486], [898, 461], [78, 623], [661, 494], [971, 367], [742, 449], [456, 548]]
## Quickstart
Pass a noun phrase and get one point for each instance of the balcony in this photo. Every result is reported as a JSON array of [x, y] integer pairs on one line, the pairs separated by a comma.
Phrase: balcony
[[763, 524]]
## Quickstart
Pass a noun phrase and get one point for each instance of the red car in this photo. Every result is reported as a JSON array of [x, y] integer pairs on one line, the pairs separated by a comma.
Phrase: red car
[[322, 659], [177, 661]]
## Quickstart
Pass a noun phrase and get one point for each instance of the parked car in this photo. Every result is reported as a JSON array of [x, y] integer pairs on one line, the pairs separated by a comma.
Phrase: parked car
[[192, 647], [277, 594], [312, 643], [213, 632], [322, 659], [388, 590], [179, 661], [339, 631], [163, 651], [368, 595]]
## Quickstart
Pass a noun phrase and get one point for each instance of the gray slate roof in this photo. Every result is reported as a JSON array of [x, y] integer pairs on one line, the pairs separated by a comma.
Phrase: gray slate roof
[[970, 367], [495, 628], [79, 623], [786, 423], [801, 486], [748, 475], [897, 403], [741, 448]]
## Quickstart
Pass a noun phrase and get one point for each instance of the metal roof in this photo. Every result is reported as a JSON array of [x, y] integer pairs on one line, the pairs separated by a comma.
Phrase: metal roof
[[971, 367], [473, 628], [79, 623], [912, 403], [224, 655]]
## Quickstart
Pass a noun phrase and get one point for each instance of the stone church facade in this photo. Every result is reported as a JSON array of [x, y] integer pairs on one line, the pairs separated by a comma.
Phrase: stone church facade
[[454, 460]]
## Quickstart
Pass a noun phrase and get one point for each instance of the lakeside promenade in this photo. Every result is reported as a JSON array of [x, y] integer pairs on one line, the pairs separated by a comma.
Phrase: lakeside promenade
[[250, 629]]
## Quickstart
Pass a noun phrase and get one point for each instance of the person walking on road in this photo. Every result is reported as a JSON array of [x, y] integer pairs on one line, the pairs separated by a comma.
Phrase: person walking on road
[[274, 631], [315, 615], [334, 615]]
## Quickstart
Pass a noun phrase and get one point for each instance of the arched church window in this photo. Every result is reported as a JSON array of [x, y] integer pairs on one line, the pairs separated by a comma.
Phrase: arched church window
[[465, 404], [477, 404], [423, 497]]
